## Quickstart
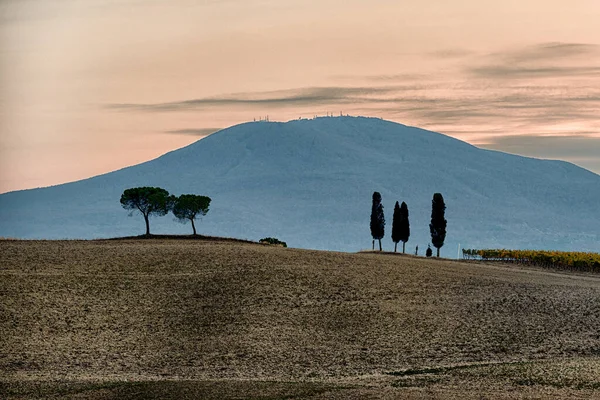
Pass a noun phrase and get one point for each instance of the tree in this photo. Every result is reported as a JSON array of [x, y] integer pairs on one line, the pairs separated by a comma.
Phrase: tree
[[148, 201], [189, 206], [437, 227], [396, 226], [377, 220], [403, 226], [400, 226], [428, 252]]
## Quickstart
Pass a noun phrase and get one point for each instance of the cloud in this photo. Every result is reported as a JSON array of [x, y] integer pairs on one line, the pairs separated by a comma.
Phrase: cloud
[[475, 109], [551, 51], [573, 146], [515, 71], [280, 98], [581, 150], [514, 109], [195, 132], [505, 100], [546, 60], [387, 78], [451, 53]]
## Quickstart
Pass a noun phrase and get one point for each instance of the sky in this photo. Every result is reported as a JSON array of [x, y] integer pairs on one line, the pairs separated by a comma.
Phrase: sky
[[91, 86]]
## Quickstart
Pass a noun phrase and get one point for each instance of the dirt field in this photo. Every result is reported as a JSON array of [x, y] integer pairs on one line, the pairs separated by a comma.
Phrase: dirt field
[[208, 319]]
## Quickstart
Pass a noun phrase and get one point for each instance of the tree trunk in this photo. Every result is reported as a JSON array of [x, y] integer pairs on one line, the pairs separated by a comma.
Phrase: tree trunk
[[403, 247], [193, 226], [379, 244], [438, 252], [147, 225], [395, 246], [373, 244]]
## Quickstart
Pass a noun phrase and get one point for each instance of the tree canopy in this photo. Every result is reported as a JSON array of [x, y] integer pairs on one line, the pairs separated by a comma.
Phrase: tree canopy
[[148, 201], [188, 207]]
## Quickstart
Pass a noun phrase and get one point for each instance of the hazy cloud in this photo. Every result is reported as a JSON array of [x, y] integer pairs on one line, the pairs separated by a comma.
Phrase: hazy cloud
[[546, 146], [292, 97], [515, 71], [512, 109], [546, 60], [39, 10], [414, 78], [551, 51], [491, 106], [451, 53], [580, 150], [195, 132]]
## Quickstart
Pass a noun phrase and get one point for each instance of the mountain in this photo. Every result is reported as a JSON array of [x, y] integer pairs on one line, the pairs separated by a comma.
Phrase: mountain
[[310, 182]]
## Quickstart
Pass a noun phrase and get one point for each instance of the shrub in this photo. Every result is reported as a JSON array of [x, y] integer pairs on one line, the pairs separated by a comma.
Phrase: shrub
[[275, 241]]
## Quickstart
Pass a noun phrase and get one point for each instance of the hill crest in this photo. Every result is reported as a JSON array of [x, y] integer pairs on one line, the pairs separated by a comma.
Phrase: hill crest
[[309, 183]]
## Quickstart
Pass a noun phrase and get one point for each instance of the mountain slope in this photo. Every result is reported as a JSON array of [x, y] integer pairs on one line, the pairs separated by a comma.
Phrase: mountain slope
[[309, 183]]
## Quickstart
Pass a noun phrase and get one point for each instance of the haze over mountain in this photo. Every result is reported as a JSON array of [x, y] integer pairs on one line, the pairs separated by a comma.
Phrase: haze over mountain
[[309, 183]]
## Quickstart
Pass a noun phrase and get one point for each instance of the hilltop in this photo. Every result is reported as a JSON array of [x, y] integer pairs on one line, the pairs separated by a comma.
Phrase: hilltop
[[309, 183], [210, 319]]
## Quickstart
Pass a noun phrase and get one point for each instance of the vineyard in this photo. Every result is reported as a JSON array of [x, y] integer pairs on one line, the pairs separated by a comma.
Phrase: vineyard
[[573, 261]]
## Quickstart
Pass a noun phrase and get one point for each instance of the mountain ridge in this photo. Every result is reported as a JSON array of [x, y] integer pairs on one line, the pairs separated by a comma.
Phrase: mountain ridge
[[309, 182]]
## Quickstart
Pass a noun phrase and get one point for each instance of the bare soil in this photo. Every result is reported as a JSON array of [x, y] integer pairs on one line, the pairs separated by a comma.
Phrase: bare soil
[[169, 318]]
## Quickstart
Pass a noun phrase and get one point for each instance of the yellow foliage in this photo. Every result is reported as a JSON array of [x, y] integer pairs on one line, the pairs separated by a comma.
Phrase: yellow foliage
[[571, 260]]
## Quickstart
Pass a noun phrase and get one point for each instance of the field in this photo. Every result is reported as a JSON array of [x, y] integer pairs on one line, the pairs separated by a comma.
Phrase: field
[[223, 320]]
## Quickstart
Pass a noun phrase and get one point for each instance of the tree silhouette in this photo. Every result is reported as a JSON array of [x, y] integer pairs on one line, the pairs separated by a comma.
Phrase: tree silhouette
[[400, 226], [404, 225], [148, 201], [188, 207], [377, 220], [396, 226], [437, 227]]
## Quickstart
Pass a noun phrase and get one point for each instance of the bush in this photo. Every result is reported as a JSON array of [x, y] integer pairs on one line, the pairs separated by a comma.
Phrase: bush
[[275, 241]]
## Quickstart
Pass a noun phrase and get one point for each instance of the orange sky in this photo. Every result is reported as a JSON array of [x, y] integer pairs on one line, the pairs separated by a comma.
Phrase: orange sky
[[89, 86]]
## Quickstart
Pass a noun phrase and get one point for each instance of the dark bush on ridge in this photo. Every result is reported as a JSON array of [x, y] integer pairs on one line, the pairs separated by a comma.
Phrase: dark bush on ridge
[[270, 240]]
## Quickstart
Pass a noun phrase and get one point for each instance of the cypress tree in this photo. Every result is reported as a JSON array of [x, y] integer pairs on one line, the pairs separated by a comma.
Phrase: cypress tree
[[377, 219], [396, 226], [437, 227], [404, 225]]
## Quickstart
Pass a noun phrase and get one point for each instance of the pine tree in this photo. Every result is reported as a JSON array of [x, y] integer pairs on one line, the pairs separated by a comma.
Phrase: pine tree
[[377, 219], [437, 227], [396, 226], [188, 207], [148, 201]]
